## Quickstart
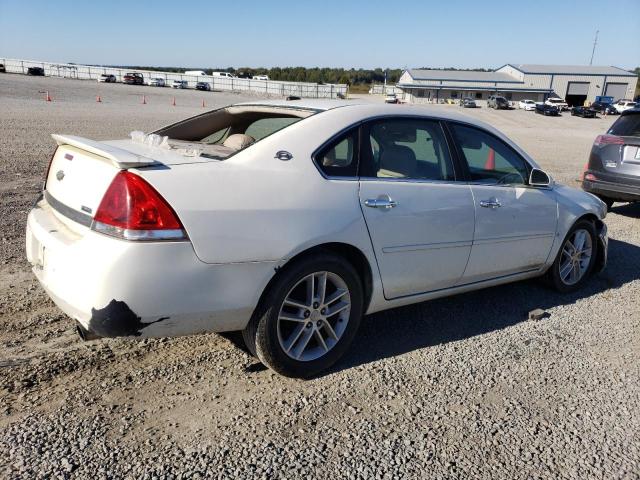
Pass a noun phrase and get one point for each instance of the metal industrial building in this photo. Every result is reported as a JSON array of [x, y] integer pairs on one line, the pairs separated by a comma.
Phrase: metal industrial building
[[575, 83]]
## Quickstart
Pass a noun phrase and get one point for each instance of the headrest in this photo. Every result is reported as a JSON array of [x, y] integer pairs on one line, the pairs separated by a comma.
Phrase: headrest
[[238, 141]]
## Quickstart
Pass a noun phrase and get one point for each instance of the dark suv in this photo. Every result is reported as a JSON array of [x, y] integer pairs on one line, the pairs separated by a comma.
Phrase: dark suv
[[613, 171], [498, 102]]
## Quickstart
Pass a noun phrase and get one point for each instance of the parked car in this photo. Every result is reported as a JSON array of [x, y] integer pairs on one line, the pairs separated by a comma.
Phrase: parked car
[[107, 78], [528, 105], [584, 112], [557, 102], [613, 171], [390, 98], [546, 109], [196, 73], [603, 108], [2, 68], [622, 105], [223, 74], [36, 71], [498, 102], [157, 82], [133, 78], [208, 242], [203, 86], [179, 84], [468, 102], [261, 77]]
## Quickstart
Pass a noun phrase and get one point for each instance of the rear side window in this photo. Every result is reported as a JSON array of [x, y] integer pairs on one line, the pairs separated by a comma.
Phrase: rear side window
[[339, 158], [407, 148], [626, 126]]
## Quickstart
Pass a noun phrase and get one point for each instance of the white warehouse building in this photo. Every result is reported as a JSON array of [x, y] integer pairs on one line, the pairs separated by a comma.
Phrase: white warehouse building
[[577, 84]]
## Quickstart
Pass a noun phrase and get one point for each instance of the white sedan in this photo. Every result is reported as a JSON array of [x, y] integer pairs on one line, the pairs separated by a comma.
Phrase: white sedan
[[527, 105], [291, 220], [157, 82]]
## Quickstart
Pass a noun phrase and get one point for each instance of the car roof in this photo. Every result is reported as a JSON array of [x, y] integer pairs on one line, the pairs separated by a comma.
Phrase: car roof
[[369, 109]]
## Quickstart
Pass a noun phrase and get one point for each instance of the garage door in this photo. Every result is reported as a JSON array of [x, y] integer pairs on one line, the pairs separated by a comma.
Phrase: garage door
[[578, 88], [616, 90]]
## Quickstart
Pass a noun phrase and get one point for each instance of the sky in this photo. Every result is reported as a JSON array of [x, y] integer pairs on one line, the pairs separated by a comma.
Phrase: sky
[[327, 33]]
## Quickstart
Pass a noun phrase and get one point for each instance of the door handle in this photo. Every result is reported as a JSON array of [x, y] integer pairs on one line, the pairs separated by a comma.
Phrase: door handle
[[383, 201], [491, 203]]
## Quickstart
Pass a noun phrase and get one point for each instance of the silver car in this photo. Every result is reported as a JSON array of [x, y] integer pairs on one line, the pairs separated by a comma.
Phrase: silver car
[[290, 220]]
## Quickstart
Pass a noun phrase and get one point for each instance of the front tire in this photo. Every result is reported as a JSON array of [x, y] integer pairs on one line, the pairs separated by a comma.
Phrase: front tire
[[575, 259], [308, 317]]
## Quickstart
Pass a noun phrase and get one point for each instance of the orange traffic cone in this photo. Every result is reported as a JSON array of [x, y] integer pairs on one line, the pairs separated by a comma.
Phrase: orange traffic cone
[[144, 100], [98, 99], [203, 104], [48, 97], [490, 164], [174, 101]]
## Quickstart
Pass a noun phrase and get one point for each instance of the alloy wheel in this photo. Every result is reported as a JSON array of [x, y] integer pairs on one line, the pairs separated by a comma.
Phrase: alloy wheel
[[314, 316], [576, 257]]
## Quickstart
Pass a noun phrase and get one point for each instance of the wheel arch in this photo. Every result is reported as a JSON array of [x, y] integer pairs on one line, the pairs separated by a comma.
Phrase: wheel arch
[[350, 253], [601, 254]]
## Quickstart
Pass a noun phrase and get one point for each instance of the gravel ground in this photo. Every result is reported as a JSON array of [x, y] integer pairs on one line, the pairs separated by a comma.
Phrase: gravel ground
[[464, 387]]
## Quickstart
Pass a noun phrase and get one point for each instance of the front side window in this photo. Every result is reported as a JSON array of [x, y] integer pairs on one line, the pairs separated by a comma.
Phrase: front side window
[[407, 149], [490, 161], [339, 158]]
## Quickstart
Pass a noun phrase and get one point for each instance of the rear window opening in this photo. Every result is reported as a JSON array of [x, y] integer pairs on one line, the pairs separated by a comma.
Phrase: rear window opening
[[222, 133]]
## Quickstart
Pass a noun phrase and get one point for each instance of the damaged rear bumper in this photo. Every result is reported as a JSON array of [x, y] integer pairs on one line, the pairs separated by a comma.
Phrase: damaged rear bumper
[[116, 288]]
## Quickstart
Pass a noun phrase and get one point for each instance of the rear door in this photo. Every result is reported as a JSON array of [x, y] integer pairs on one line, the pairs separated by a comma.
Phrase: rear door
[[420, 219], [515, 224]]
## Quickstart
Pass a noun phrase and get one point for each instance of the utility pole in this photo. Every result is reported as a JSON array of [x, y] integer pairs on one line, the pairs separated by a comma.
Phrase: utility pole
[[595, 42]]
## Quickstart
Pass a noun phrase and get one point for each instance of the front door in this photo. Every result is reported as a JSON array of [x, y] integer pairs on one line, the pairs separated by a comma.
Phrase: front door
[[515, 223], [420, 219]]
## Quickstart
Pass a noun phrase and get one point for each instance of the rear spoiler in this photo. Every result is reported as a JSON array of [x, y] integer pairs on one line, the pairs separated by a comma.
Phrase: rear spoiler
[[121, 158]]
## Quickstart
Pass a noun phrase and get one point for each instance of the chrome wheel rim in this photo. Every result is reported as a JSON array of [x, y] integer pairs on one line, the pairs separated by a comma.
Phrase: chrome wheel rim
[[575, 257], [314, 316]]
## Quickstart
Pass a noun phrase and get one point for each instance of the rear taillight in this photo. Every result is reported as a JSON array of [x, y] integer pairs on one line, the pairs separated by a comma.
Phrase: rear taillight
[[608, 140], [133, 210]]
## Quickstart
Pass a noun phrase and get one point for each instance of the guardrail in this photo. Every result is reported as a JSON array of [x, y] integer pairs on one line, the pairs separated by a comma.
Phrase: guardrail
[[259, 87]]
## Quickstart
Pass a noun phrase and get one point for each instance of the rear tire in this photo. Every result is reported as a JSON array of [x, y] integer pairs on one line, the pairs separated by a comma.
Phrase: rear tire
[[571, 269], [293, 331]]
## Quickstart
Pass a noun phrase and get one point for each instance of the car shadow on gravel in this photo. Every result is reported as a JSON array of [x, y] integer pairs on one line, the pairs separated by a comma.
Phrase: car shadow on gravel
[[631, 210], [402, 330]]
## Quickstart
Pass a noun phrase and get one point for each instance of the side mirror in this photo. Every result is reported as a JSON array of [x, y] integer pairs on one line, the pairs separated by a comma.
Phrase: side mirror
[[539, 178]]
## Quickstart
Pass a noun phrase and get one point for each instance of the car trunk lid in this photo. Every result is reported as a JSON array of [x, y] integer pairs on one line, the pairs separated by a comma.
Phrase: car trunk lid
[[81, 170]]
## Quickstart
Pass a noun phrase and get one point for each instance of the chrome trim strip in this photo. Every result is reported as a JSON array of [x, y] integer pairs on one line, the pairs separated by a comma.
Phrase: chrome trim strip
[[70, 213], [426, 246], [513, 238]]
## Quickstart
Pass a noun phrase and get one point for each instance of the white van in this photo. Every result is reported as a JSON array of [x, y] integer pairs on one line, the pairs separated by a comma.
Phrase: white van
[[195, 72], [260, 77], [223, 74]]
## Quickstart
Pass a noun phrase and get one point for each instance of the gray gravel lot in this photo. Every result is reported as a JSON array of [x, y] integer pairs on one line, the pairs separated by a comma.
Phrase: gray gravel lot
[[464, 387]]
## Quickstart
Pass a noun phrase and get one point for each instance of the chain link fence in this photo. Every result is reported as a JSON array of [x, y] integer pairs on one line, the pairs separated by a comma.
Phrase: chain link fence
[[217, 83]]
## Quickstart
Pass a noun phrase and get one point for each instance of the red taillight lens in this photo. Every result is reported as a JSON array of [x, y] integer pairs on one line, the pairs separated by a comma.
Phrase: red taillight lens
[[134, 210], [608, 140]]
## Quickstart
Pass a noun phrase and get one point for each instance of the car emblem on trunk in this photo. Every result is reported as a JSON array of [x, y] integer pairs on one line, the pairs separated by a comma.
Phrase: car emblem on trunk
[[59, 174]]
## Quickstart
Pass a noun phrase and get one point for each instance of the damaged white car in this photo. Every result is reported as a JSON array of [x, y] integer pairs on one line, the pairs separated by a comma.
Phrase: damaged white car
[[289, 221]]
